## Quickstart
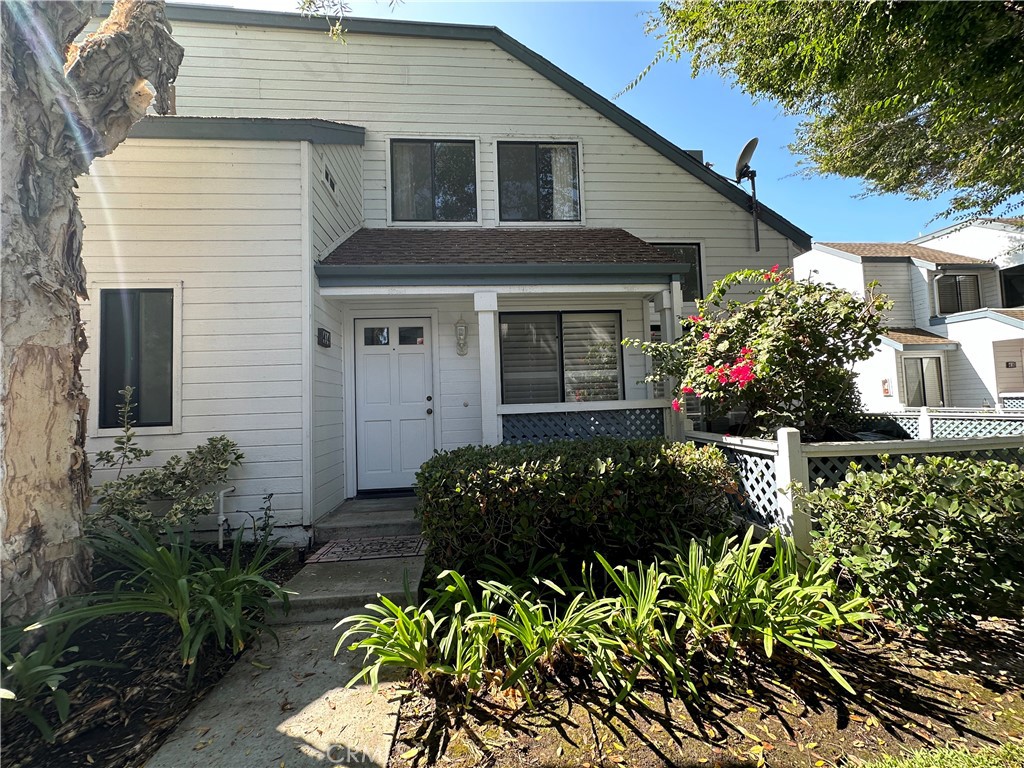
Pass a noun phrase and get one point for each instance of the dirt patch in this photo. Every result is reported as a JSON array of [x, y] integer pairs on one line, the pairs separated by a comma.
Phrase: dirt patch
[[121, 713], [963, 692]]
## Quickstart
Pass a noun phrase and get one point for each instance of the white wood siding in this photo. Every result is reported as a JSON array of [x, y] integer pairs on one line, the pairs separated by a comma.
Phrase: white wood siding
[[397, 86], [328, 410], [924, 300], [339, 211], [223, 218], [1009, 379], [894, 280]]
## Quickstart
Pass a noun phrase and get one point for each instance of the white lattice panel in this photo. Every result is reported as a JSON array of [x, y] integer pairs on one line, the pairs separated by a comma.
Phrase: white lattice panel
[[945, 428], [518, 428]]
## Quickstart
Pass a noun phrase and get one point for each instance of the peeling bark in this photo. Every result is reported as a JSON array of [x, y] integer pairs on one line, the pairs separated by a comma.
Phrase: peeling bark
[[61, 106]]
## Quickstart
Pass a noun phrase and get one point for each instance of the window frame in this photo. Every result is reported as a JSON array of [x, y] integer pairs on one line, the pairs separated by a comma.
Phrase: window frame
[[959, 301], [94, 332], [430, 139], [559, 313], [904, 388], [536, 140]]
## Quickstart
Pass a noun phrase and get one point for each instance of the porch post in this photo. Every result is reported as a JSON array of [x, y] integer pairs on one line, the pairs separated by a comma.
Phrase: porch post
[[790, 469], [924, 424], [486, 306]]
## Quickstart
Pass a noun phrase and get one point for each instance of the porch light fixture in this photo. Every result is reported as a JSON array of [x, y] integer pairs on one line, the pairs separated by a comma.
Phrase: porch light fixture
[[461, 337]]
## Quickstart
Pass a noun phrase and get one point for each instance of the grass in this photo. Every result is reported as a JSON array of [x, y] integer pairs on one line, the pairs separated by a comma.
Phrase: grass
[[1006, 756]]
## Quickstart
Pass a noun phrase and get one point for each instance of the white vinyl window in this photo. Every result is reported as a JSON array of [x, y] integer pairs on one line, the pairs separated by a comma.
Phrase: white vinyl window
[[552, 357], [958, 293], [922, 378]]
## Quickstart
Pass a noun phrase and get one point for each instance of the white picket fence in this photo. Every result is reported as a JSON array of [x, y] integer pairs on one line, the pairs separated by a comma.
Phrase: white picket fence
[[770, 471]]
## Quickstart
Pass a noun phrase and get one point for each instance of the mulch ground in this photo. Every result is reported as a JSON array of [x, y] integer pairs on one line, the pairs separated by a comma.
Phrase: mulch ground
[[963, 692], [122, 713]]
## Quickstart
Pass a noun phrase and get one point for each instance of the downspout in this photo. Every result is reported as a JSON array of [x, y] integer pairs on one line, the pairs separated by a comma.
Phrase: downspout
[[221, 517]]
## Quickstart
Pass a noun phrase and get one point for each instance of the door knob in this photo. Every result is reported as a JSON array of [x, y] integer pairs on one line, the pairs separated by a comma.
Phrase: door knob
[[429, 411]]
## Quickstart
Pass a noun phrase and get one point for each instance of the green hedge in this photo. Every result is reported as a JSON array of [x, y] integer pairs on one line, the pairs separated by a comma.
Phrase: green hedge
[[935, 541], [520, 503]]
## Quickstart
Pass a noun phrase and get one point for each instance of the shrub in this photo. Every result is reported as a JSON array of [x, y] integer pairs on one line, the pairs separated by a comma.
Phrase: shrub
[[32, 678], [783, 357], [183, 482], [717, 597], [734, 594], [213, 603], [933, 541], [1006, 756], [569, 498]]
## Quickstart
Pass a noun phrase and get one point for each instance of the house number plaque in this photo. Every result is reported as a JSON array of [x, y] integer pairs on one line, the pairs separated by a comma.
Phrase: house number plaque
[[323, 337]]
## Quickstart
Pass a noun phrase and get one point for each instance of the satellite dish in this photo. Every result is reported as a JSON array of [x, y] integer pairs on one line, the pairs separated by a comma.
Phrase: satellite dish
[[744, 171], [743, 163]]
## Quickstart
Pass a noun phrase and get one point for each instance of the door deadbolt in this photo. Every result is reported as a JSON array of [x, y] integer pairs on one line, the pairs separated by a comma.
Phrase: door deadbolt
[[429, 398], [429, 411]]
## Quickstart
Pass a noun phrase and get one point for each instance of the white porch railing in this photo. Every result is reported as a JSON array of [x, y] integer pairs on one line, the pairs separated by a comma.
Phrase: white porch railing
[[541, 423], [769, 469]]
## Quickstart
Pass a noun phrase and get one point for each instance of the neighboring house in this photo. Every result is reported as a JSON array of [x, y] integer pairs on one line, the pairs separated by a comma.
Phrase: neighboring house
[[349, 255], [1000, 241], [951, 342]]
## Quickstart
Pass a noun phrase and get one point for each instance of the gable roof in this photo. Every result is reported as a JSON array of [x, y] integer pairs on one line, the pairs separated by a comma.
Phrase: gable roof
[[493, 35], [902, 251], [491, 246]]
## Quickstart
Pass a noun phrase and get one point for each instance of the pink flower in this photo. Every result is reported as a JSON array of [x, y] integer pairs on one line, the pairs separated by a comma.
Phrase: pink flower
[[707, 335], [746, 351], [709, 369], [687, 390], [695, 318], [774, 269], [675, 405]]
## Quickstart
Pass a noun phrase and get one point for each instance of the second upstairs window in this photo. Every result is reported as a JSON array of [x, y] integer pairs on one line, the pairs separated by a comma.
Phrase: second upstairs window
[[538, 181], [433, 180], [958, 293]]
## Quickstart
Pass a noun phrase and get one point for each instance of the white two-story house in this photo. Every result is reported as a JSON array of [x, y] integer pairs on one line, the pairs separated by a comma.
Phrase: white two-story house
[[347, 256], [951, 342]]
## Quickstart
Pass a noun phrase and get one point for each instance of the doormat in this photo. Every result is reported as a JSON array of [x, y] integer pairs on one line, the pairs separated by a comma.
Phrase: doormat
[[369, 549]]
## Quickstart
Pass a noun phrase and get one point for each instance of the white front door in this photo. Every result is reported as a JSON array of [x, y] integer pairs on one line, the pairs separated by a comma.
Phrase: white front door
[[394, 401]]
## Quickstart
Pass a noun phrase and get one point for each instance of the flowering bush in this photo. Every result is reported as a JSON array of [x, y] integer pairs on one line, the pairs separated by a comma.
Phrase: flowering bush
[[783, 358]]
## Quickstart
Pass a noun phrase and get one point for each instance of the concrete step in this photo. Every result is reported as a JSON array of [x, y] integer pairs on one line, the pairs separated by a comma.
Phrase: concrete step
[[325, 591], [368, 518]]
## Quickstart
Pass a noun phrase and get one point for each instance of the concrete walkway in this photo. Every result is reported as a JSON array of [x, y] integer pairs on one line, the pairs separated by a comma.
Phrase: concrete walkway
[[287, 707]]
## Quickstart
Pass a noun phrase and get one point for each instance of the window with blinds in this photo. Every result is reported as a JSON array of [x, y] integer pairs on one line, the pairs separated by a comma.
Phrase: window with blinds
[[922, 381], [552, 357], [958, 293]]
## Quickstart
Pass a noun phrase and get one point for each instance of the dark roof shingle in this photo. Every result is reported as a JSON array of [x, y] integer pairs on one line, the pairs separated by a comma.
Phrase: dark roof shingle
[[914, 336], [903, 251], [507, 245]]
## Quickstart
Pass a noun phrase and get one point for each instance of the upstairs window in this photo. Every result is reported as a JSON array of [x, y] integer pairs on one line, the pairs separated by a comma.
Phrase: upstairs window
[[688, 257], [538, 181], [136, 350], [958, 293], [553, 357], [433, 180]]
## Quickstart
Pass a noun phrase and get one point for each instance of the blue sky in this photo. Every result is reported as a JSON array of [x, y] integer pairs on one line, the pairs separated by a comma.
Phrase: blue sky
[[603, 45]]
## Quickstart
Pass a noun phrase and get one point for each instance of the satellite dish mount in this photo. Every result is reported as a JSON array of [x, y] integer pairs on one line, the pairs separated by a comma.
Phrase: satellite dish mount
[[744, 171]]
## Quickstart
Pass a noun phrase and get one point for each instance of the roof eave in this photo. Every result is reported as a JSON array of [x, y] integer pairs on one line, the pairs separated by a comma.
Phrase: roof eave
[[333, 275], [313, 130]]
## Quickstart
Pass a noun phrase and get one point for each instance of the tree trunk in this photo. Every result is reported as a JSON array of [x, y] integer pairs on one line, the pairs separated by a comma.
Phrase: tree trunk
[[61, 105]]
